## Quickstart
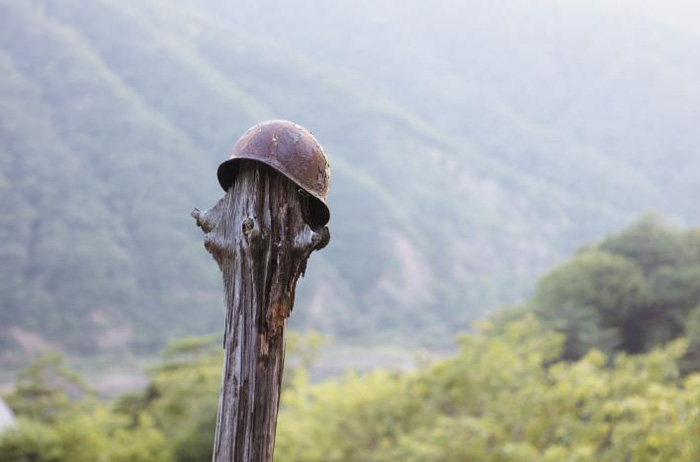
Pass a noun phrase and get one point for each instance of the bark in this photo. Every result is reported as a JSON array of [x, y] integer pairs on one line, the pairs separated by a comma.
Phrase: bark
[[259, 236]]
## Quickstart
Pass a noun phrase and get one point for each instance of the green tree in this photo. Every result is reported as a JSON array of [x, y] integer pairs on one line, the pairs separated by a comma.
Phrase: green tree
[[650, 243], [502, 397], [691, 361], [46, 389], [59, 420], [589, 299], [673, 292]]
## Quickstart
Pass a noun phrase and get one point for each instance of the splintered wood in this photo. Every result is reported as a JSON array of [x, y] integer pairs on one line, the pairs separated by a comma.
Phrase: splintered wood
[[259, 236]]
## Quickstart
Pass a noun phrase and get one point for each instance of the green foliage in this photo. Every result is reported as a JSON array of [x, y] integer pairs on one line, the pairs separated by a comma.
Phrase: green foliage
[[691, 361], [60, 422], [589, 298], [503, 396], [31, 441], [182, 396], [44, 389], [631, 292], [84, 435], [650, 244]]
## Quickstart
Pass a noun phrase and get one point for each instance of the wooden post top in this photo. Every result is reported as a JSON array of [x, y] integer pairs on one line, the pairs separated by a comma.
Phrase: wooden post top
[[261, 234]]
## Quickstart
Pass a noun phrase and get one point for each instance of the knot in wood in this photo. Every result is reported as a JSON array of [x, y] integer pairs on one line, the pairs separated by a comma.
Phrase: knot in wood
[[251, 231], [218, 246], [207, 219], [260, 237]]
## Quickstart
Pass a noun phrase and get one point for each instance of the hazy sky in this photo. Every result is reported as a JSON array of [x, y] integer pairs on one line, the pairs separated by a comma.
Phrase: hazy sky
[[681, 13]]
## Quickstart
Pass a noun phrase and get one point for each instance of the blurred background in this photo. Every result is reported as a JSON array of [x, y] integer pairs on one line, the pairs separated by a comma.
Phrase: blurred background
[[477, 148]]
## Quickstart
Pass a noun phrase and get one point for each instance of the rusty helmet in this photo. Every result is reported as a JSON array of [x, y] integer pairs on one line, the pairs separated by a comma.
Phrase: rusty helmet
[[291, 150]]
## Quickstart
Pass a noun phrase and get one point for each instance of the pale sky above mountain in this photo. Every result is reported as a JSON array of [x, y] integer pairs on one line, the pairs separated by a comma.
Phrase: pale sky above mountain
[[678, 13]]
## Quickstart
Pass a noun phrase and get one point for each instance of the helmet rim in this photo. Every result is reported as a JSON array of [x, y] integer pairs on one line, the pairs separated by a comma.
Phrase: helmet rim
[[290, 150]]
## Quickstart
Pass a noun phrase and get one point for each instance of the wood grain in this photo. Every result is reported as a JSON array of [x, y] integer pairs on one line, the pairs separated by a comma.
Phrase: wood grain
[[259, 236]]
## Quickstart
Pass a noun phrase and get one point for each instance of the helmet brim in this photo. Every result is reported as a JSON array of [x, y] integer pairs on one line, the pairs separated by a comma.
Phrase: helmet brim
[[319, 213]]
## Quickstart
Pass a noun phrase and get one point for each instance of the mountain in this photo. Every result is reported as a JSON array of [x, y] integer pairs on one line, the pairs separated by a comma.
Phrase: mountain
[[472, 147]]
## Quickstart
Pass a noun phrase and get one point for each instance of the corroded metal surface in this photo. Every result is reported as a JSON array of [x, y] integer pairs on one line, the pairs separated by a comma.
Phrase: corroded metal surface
[[291, 150]]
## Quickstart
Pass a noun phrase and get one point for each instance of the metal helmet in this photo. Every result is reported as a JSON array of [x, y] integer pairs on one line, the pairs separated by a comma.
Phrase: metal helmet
[[291, 150]]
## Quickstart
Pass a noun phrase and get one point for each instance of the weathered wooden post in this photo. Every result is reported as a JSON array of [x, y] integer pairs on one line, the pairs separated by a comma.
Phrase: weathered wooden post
[[261, 234]]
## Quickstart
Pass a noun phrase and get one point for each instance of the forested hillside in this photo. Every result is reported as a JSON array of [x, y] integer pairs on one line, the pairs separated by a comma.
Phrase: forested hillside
[[472, 147]]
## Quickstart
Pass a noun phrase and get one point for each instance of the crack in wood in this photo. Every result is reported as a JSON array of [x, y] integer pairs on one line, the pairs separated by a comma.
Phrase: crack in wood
[[259, 237]]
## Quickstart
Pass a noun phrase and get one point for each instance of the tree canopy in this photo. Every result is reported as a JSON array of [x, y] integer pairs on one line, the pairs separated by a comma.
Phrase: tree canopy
[[504, 396], [631, 292]]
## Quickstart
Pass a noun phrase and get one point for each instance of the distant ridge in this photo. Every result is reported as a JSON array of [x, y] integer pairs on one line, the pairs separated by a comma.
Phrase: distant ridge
[[471, 149]]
